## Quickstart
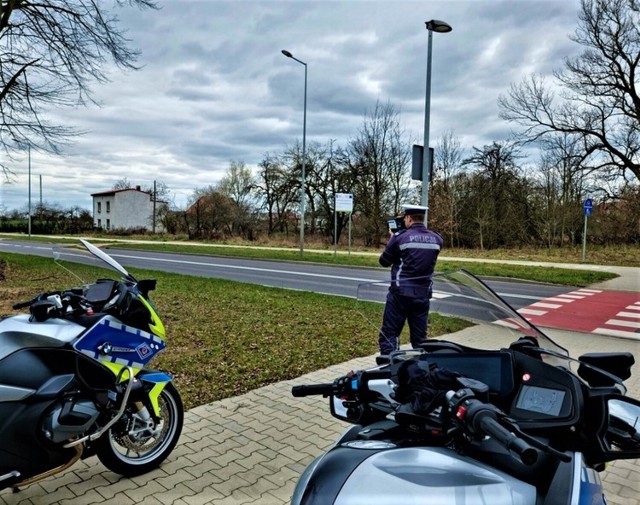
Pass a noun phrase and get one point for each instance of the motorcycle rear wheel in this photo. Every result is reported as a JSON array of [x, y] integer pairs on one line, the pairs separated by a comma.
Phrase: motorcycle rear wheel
[[130, 451]]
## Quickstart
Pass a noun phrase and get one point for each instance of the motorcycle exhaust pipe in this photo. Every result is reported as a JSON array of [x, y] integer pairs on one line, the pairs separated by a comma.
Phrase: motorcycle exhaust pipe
[[49, 473]]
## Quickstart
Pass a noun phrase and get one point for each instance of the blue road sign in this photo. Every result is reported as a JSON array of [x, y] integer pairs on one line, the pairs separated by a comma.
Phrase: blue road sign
[[588, 206]]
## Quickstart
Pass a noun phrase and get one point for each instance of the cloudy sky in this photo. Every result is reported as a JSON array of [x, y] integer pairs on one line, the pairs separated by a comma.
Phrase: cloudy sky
[[215, 86]]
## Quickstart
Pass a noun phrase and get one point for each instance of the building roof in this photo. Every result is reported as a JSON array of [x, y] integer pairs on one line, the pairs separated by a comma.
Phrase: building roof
[[114, 191], [208, 202]]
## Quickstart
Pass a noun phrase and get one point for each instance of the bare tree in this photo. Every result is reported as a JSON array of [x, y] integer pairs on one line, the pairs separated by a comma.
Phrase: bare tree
[[444, 203], [51, 51], [291, 160], [209, 214], [238, 184], [279, 191], [379, 158], [562, 188], [599, 100], [123, 183], [497, 201], [330, 175]]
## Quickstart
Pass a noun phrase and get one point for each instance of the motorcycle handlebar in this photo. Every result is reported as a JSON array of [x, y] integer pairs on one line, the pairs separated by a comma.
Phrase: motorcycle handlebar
[[312, 389], [514, 444], [481, 418], [346, 385], [40, 297], [21, 305]]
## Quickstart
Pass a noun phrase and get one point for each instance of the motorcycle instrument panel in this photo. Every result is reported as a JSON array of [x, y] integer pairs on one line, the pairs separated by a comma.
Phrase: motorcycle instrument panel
[[541, 400], [546, 393]]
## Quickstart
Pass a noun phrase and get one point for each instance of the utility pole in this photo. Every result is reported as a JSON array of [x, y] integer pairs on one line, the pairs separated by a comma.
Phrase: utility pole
[[29, 191], [155, 195]]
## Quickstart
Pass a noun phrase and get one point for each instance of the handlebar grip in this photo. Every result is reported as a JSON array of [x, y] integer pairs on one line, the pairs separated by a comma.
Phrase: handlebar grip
[[514, 444], [42, 296], [312, 389]]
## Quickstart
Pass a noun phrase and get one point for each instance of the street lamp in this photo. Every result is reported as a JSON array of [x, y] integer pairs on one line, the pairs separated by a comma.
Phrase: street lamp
[[440, 27], [29, 190], [304, 150]]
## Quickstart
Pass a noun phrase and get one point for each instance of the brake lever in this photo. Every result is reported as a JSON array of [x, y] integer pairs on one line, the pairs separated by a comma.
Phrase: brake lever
[[535, 442]]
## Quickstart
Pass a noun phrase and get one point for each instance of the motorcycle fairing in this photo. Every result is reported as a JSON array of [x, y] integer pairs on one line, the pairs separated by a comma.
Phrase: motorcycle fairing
[[159, 381], [589, 491], [323, 479], [155, 323], [431, 475], [19, 331], [112, 342], [14, 393], [22, 451]]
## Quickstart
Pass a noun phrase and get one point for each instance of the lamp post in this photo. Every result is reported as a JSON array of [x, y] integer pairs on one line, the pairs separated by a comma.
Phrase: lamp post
[[304, 150], [29, 226], [440, 27]]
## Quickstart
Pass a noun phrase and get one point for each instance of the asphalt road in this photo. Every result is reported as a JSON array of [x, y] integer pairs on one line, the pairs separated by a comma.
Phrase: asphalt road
[[327, 279]]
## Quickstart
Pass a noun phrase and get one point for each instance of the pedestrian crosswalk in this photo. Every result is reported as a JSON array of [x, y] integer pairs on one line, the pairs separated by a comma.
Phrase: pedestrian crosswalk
[[603, 312], [626, 323]]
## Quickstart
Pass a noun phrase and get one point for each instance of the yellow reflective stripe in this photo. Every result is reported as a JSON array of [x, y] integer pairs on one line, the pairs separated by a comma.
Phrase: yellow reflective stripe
[[116, 367], [154, 394], [156, 326]]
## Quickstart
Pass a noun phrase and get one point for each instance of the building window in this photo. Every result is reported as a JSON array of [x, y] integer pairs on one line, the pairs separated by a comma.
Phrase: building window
[[108, 207], [108, 224], [99, 207], [99, 223]]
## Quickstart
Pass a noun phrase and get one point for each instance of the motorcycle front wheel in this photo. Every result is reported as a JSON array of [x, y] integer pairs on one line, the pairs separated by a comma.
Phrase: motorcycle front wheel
[[137, 443]]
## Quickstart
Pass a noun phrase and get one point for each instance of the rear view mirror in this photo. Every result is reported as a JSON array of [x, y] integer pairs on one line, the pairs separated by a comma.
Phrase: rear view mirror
[[338, 410], [621, 436], [146, 285], [616, 363]]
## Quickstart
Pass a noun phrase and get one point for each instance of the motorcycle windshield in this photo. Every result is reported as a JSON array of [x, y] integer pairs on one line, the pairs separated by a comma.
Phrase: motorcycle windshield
[[98, 253], [494, 324], [489, 322], [98, 258]]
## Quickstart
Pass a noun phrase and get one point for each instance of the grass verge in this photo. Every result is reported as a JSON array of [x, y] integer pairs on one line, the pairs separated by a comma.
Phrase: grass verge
[[568, 277]]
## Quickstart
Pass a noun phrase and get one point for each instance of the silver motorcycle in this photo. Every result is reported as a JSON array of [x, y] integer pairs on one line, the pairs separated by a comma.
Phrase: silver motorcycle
[[496, 414]]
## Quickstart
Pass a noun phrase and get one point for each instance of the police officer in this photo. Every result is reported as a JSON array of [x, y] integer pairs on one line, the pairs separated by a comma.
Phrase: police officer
[[411, 253]]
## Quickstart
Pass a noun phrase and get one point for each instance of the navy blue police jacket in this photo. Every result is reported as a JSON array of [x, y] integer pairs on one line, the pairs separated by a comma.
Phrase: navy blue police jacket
[[412, 254]]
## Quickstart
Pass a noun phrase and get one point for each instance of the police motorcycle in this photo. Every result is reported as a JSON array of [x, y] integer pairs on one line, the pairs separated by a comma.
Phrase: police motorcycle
[[496, 414], [74, 381]]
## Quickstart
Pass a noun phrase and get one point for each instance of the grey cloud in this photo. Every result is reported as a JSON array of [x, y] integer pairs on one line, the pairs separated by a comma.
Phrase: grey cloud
[[213, 85]]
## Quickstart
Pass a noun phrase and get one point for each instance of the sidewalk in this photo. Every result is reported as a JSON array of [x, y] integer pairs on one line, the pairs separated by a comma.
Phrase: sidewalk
[[628, 280], [251, 449]]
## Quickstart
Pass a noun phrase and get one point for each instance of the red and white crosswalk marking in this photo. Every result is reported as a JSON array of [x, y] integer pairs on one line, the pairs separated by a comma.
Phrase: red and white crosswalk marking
[[558, 302], [591, 310], [626, 323]]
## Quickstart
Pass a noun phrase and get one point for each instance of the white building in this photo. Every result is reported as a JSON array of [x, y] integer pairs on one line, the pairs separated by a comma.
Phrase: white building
[[125, 209]]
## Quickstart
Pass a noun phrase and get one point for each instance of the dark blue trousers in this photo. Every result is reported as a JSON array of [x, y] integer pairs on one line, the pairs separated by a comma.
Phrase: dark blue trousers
[[397, 310]]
